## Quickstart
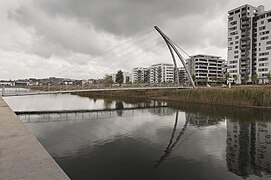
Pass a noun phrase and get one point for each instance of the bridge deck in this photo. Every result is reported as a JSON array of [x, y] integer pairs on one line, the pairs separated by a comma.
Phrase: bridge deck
[[90, 90], [22, 156]]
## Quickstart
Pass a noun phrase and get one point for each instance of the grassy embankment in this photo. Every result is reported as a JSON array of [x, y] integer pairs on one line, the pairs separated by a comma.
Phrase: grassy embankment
[[239, 96]]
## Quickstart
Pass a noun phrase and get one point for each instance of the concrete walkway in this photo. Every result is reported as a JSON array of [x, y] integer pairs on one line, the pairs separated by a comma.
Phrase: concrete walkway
[[21, 155]]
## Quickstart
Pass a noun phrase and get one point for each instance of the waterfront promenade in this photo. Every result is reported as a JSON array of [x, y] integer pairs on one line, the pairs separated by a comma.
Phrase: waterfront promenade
[[21, 155]]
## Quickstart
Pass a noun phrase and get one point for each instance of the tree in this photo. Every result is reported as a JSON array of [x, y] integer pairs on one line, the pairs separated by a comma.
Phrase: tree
[[227, 76], [246, 78], [108, 80], [254, 78], [235, 77], [119, 77]]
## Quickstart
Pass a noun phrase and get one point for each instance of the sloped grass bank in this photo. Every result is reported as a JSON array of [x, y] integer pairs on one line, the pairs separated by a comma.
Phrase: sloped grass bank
[[243, 96]]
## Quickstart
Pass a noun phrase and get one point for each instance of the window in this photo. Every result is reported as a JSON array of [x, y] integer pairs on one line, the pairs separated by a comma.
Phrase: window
[[236, 37], [264, 38], [229, 39], [269, 20], [236, 52], [236, 42], [236, 47], [233, 23], [262, 22], [262, 28], [231, 43], [268, 48], [268, 42], [263, 64], [229, 48], [264, 33], [233, 28], [233, 33], [264, 54], [263, 59], [263, 69], [235, 57]]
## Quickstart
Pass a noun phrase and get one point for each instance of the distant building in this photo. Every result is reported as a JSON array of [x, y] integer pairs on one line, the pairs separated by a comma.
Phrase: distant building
[[7, 83], [140, 74], [206, 68], [182, 75], [22, 83], [249, 43], [126, 77], [162, 73]]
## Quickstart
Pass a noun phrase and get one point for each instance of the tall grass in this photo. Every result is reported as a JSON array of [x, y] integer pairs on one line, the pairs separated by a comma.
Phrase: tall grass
[[236, 96], [241, 96]]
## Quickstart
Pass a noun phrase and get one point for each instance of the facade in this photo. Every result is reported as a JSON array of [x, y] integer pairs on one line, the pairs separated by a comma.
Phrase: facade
[[7, 83], [182, 75], [162, 73], [140, 74], [248, 43], [126, 77], [263, 45], [206, 68]]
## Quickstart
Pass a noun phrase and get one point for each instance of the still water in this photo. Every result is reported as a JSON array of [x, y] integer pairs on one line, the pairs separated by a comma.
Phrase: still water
[[181, 141]]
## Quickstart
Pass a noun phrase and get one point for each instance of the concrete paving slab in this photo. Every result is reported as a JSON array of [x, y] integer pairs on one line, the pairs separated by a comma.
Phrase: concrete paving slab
[[21, 154]]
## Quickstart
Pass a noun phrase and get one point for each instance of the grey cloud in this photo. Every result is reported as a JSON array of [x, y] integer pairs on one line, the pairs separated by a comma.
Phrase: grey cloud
[[126, 17], [57, 36]]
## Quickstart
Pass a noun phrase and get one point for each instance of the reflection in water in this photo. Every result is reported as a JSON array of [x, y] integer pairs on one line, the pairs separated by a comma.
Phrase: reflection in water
[[119, 107], [189, 140], [249, 148], [172, 144], [107, 104]]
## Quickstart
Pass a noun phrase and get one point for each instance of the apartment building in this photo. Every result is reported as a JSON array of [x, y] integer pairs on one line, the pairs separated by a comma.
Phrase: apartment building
[[140, 74], [248, 43], [182, 75], [262, 44], [161, 73], [206, 68]]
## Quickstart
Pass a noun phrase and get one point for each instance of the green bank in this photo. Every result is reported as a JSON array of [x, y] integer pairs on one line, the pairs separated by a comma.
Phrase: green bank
[[238, 96]]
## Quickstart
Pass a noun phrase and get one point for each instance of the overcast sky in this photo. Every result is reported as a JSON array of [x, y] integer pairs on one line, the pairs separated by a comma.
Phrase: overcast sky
[[68, 38]]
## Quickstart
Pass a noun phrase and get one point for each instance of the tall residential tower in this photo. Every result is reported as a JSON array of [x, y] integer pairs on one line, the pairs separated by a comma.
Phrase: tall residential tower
[[249, 46]]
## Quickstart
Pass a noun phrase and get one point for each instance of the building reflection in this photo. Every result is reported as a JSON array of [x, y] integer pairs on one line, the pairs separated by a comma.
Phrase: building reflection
[[249, 148], [202, 120]]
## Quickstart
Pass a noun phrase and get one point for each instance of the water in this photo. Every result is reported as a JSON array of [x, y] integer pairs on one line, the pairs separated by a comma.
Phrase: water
[[181, 141]]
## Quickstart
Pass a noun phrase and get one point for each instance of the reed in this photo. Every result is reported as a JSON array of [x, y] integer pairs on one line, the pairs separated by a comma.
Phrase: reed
[[236, 96]]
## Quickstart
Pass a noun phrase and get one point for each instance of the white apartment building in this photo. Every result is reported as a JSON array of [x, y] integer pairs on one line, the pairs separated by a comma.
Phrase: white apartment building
[[248, 49], [126, 77], [263, 45], [182, 75], [206, 68], [140, 74], [161, 73]]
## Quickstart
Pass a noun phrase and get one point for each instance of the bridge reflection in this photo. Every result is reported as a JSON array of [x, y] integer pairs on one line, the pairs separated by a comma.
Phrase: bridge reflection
[[248, 143], [85, 114]]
